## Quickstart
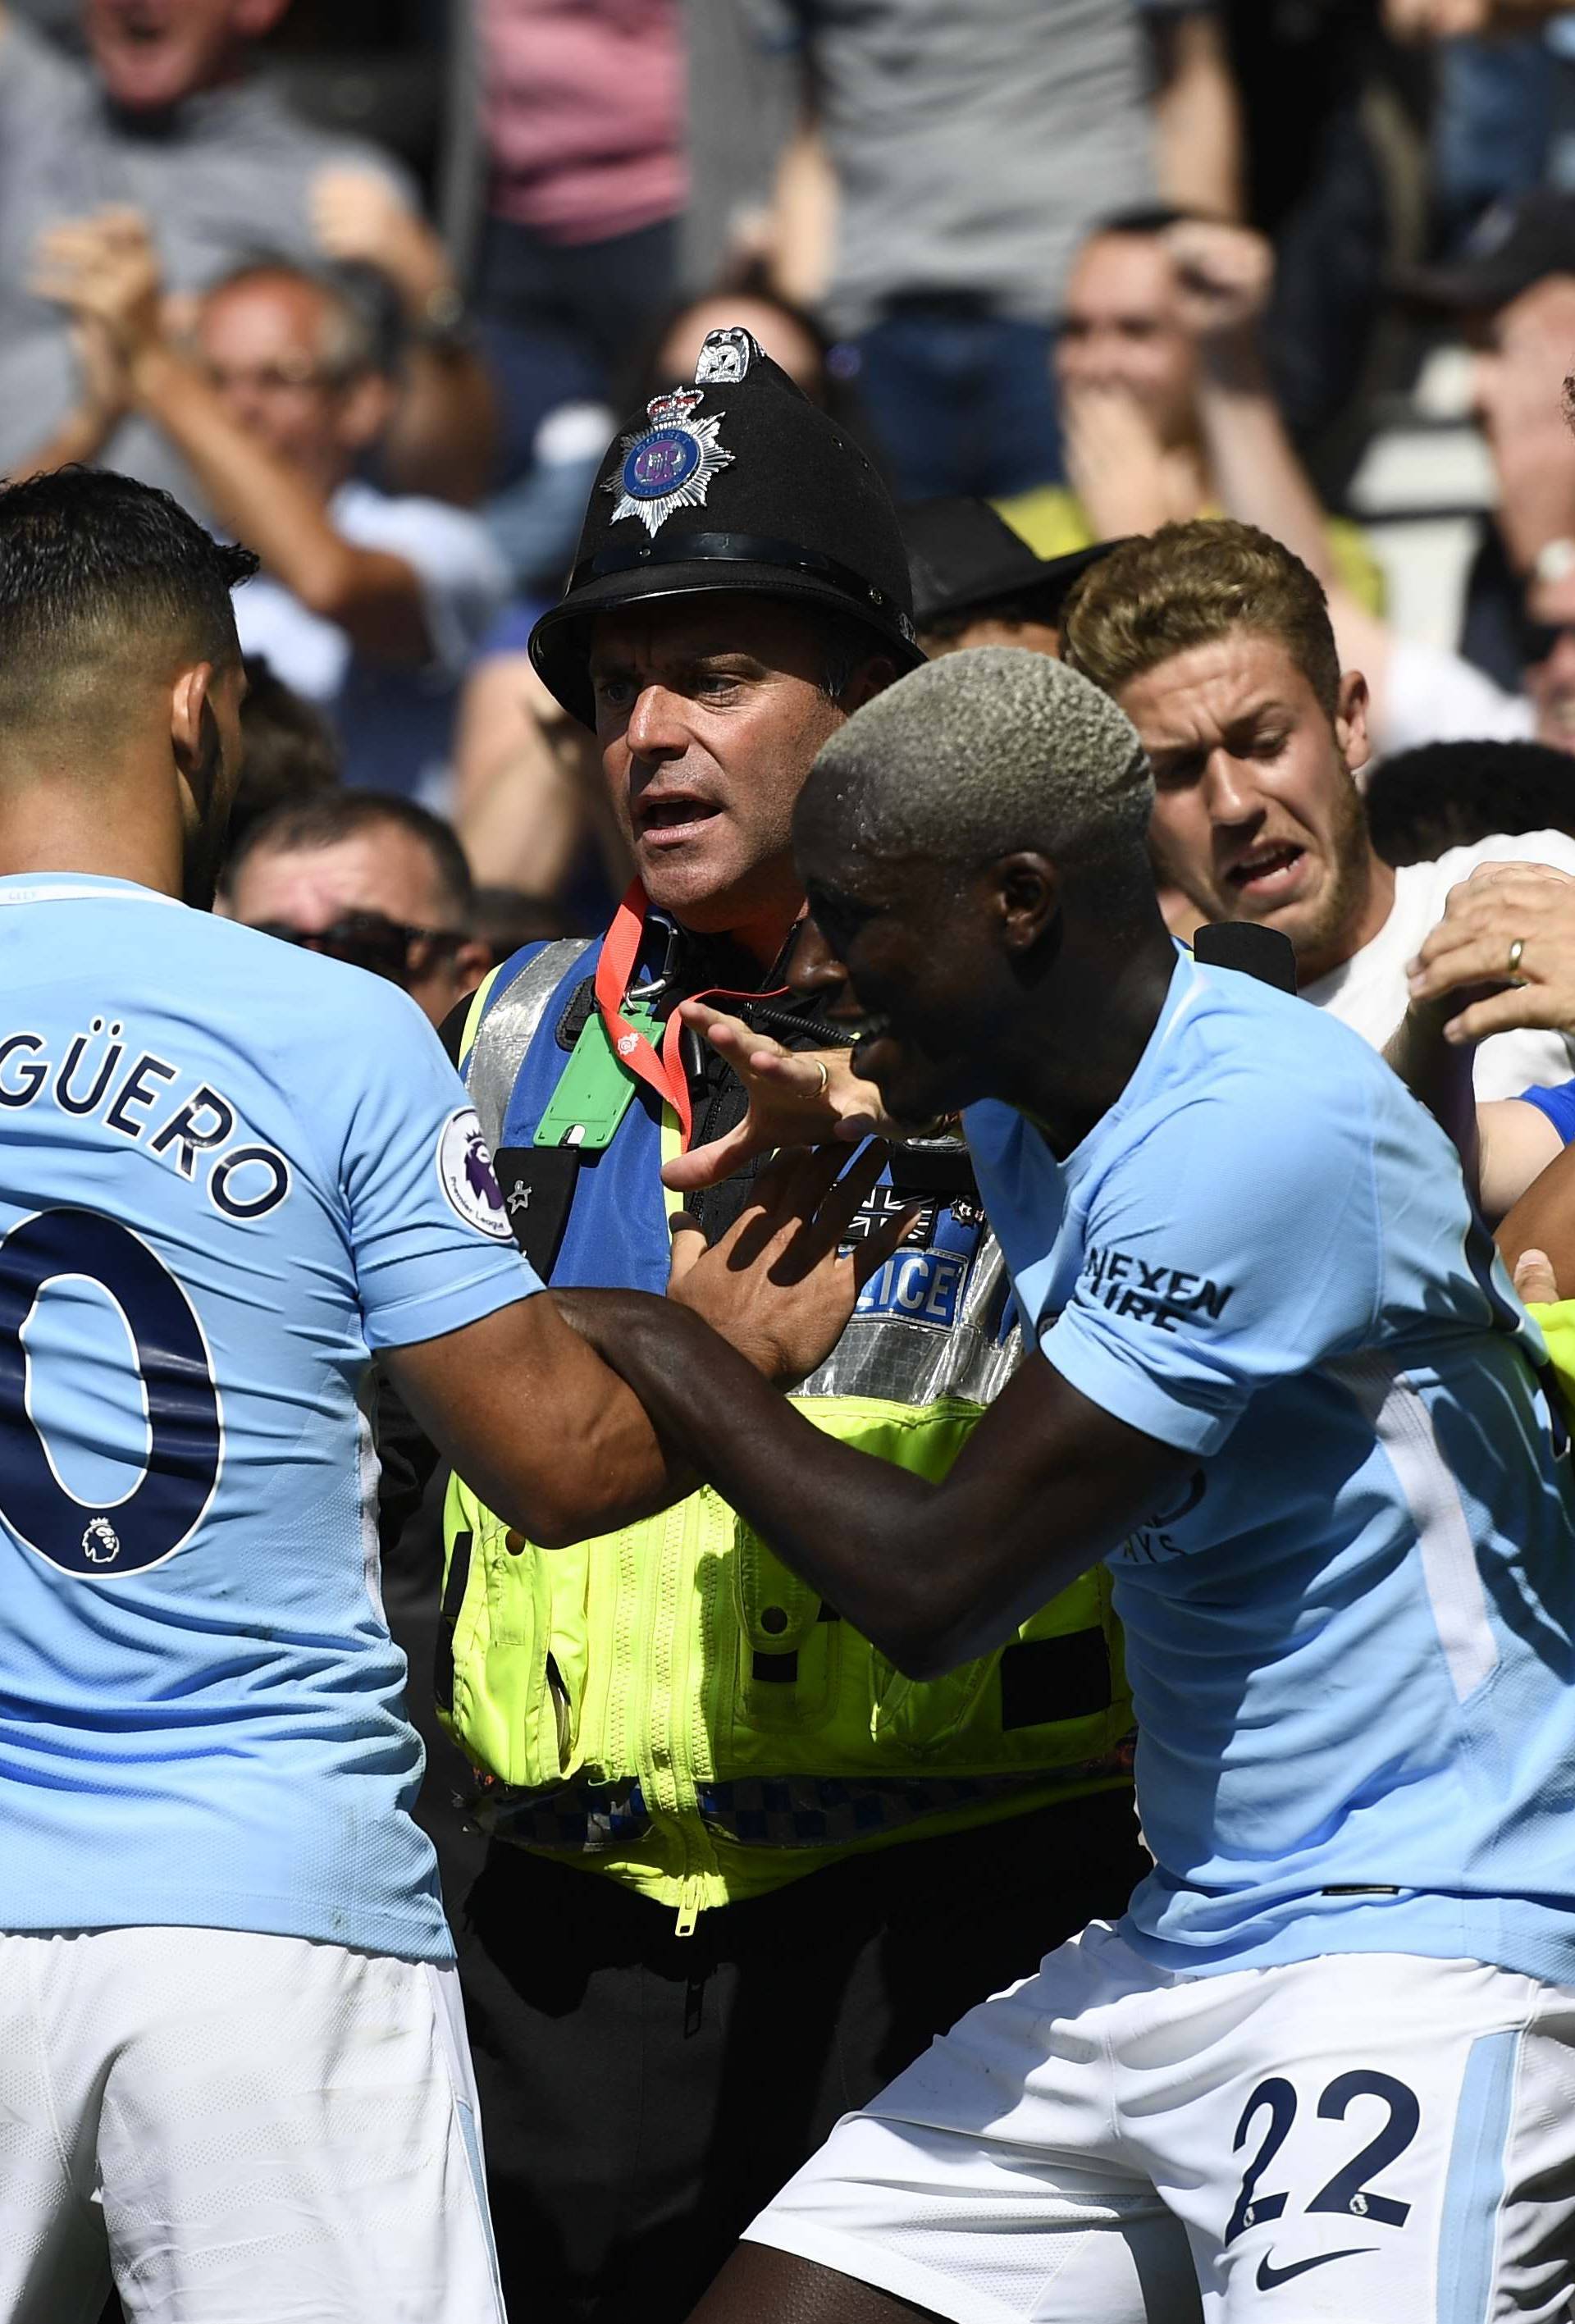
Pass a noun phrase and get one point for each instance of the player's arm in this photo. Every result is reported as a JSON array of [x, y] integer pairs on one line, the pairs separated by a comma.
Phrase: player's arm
[[932, 1573], [1182, 1310], [553, 1440], [538, 1425]]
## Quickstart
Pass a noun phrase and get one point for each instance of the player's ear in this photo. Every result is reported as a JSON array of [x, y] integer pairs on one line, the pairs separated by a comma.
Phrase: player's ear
[[188, 725], [1027, 897]]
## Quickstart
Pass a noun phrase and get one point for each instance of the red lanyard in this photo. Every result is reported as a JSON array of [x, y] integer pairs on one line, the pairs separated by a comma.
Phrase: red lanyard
[[662, 1070]]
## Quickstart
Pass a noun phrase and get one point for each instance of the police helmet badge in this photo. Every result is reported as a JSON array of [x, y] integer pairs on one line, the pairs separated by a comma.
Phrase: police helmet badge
[[725, 357], [670, 464]]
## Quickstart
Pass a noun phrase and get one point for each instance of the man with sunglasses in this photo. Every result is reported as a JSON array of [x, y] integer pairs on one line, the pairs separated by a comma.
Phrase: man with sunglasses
[[369, 878]]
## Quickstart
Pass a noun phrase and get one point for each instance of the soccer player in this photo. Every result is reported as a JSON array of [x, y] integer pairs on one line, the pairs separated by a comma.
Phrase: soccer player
[[232, 1172], [1324, 2067]]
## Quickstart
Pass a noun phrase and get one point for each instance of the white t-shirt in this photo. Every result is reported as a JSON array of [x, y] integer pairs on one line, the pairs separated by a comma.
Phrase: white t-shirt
[[1433, 695], [1368, 991], [394, 724]]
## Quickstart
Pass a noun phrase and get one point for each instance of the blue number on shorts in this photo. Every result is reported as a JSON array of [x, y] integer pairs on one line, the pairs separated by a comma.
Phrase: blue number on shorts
[[1252, 2207], [185, 1437], [1345, 2191]]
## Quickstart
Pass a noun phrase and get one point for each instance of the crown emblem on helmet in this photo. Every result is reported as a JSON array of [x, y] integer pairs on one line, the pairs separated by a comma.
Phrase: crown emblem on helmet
[[674, 406], [670, 464]]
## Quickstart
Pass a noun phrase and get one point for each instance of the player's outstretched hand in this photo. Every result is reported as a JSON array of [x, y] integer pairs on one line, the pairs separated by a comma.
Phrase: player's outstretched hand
[[792, 1101], [778, 1284], [1510, 926]]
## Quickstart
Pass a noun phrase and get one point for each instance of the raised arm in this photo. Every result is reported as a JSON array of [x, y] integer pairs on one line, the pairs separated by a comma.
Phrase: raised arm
[[1197, 113], [443, 432], [105, 268]]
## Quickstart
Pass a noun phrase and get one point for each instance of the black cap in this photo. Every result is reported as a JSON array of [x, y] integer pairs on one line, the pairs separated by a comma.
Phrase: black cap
[[964, 557], [738, 483], [1513, 245]]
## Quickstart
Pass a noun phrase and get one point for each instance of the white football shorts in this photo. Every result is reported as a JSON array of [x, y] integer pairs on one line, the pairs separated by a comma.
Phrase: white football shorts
[[1360, 2139], [248, 2129]]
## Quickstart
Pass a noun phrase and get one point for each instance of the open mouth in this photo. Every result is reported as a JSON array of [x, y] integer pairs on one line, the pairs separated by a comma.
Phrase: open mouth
[[666, 820], [1267, 871]]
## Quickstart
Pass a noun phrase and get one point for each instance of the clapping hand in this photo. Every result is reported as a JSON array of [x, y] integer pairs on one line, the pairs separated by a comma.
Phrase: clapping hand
[[106, 270]]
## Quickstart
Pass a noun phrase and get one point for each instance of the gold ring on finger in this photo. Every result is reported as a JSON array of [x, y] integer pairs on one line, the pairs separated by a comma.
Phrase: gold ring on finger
[[1516, 950], [824, 1071]]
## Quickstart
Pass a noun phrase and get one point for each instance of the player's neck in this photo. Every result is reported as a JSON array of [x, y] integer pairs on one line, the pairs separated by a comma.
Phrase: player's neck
[[1074, 1060], [89, 836]]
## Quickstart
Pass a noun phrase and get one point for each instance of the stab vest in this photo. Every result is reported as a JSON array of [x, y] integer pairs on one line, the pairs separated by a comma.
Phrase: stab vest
[[668, 1704]]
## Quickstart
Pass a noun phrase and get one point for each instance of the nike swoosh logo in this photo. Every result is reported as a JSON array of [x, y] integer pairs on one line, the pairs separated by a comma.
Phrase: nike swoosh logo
[[1270, 2278]]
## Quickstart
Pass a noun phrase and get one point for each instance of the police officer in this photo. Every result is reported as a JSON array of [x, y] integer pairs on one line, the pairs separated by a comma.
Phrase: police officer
[[740, 1870]]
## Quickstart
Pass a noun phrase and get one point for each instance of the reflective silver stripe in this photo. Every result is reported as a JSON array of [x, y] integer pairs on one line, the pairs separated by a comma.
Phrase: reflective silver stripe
[[1399, 1418], [508, 1029], [904, 1362]]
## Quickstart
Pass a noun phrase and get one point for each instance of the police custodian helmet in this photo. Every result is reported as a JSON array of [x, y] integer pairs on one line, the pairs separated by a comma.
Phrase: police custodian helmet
[[738, 483]]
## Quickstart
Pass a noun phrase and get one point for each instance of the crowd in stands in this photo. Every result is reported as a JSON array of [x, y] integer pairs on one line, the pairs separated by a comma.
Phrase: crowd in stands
[[1057, 258]]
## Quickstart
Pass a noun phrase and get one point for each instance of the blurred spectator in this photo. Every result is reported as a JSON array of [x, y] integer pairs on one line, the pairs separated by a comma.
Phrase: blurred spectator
[[291, 751], [1159, 355], [1331, 113], [370, 879], [1448, 795], [969, 150], [1445, 20], [370, 605], [1512, 292], [1416, 692], [582, 120], [1216, 642], [506, 920], [574, 158], [169, 120], [977, 583]]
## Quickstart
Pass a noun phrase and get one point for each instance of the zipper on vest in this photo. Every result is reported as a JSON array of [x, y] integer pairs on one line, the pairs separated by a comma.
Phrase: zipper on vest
[[690, 1897]]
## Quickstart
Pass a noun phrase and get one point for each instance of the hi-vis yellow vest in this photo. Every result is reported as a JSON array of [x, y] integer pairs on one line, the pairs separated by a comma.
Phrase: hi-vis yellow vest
[[670, 1706]]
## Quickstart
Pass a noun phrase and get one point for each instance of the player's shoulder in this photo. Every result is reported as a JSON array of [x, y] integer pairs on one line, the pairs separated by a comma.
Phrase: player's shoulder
[[1239, 1039]]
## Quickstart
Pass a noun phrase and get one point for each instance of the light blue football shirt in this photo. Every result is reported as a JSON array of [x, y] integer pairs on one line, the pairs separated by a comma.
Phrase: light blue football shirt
[[230, 1171], [1352, 1639]]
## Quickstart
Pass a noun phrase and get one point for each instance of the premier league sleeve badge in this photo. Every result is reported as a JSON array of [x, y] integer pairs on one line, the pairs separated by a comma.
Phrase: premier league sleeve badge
[[670, 464]]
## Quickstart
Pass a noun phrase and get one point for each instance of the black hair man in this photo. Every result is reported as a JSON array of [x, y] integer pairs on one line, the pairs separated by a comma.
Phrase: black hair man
[[768, 1809], [231, 2061], [1282, 1388]]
